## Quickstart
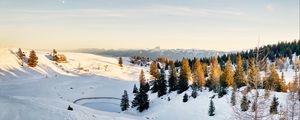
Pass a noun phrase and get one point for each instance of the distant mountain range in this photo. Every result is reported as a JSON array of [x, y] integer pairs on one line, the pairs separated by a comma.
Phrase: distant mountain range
[[176, 54]]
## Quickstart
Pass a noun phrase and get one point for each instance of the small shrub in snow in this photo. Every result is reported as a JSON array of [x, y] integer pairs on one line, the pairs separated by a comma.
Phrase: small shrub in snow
[[70, 108], [185, 98]]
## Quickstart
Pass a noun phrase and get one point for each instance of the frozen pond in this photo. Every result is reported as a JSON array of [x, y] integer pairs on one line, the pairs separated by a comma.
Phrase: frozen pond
[[107, 105]]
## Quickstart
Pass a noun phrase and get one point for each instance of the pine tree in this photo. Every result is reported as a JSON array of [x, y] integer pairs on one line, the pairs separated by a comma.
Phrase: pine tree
[[211, 110], [233, 98], [21, 54], [54, 55], [135, 90], [266, 83], [32, 61], [147, 87], [142, 79], [239, 75], [222, 91], [194, 93], [254, 106], [143, 101], [204, 68], [124, 101], [275, 82], [162, 85], [136, 99], [252, 73], [120, 62], [154, 70], [141, 97], [229, 73], [198, 75], [154, 87], [172, 82], [54, 52], [244, 103], [185, 74], [274, 105], [185, 98], [215, 73]]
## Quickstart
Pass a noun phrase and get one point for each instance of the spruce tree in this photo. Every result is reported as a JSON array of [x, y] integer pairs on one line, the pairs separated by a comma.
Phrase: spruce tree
[[239, 76], [185, 74], [154, 70], [244, 103], [211, 110], [194, 93], [198, 75], [252, 73], [20, 54], [162, 84], [275, 82], [185, 98], [120, 62], [222, 91], [254, 106], [266, 83], [274, 105], [135, 90], [136, 99], [229, 73], [233, 98], [147, 87], [141, 97], [143, 101], [142, 79], [215, 73], [154, 87], [32, 60], [172, 82], [54, 52], [124, 101]]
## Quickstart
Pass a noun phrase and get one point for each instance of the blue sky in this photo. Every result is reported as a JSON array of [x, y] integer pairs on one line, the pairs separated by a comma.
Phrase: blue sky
[[113, 24]]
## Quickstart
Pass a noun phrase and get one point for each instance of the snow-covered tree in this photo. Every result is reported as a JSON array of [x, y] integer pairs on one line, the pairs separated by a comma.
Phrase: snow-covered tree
[[274, 105], [233, 98], [245, 103], [293, 101]]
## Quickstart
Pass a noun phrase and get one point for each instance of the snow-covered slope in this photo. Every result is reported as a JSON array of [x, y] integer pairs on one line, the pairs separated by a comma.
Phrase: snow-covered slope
[[45, 92]]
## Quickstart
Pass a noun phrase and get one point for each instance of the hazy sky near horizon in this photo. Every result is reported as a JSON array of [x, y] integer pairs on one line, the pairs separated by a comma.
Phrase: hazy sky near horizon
[[134, 24]]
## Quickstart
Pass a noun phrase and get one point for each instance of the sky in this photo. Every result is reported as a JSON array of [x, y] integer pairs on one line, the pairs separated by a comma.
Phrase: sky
[[223, 25]]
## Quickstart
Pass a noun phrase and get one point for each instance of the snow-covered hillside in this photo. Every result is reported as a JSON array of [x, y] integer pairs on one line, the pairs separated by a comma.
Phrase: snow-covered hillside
[[45, 92]]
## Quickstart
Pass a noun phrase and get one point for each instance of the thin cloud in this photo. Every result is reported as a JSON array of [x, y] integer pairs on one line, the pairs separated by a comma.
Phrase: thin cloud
[[158, 10], [269, 8]]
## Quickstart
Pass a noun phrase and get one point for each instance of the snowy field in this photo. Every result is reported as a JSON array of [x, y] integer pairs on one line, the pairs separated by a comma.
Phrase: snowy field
[[45, 92]]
